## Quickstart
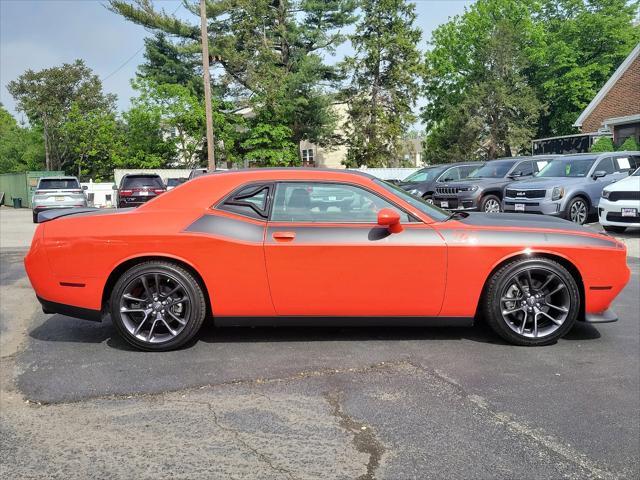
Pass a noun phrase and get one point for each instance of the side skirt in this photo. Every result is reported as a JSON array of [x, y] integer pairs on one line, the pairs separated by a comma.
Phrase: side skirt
[[343, 321]]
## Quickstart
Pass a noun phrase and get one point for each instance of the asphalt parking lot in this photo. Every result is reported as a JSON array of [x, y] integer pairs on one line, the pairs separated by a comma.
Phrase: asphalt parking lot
[[77, 402]]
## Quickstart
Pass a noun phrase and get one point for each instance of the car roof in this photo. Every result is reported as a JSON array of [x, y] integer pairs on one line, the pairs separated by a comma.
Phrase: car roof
[[306, 172], [140, 175], [59, 178]]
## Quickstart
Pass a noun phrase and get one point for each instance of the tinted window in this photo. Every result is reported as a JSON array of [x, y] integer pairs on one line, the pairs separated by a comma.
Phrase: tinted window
[[250, 201], [424, 175], [174, 182], [327, 202], [524, 168], [625, 164], [467, 170], [451, 174], [141, 181], [494, 169], [567, 167], [605, 165], [58, 184]]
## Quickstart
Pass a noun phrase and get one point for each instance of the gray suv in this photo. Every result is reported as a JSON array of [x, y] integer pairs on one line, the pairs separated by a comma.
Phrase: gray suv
[[570, 186], [57, 192], [423, 182], [482, 190]]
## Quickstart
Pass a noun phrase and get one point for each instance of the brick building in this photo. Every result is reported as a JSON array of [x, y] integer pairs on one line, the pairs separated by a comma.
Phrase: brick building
[[615, 110]]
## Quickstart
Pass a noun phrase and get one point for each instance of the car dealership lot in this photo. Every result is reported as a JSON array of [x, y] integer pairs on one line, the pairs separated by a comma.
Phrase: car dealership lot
[[312, 403]]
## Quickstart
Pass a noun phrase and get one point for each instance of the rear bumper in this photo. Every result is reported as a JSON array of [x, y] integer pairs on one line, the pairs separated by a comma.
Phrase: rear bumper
[[41, 208], [70, 310], [608, 316]]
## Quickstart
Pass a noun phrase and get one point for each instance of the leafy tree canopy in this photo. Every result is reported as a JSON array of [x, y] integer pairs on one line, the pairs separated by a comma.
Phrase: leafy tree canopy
[[21, 147]]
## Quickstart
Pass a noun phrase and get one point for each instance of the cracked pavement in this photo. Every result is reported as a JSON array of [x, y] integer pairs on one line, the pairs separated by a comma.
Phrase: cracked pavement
[[293, 403]]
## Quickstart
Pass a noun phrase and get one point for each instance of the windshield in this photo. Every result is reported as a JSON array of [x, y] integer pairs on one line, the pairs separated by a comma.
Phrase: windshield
[[434, 212], [493, 170], [424, 175], [141, 181], [567, 167], [636, 173], [58, 184]]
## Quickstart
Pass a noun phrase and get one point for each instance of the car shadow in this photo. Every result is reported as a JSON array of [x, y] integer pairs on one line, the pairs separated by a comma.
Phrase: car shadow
[[59, 328]]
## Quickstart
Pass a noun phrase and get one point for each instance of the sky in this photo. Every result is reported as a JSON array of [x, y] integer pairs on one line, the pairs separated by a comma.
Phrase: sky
[[37, 34]]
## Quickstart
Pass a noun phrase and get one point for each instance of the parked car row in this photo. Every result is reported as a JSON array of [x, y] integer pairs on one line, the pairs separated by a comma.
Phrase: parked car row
[[567, 186]]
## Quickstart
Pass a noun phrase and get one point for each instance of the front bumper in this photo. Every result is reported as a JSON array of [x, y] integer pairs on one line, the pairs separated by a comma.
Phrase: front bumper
[[608, 316], [610, 213], [538, 205], [459, 202]]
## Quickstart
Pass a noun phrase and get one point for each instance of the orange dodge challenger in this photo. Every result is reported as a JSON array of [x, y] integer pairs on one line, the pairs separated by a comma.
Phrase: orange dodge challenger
[[309, 246]]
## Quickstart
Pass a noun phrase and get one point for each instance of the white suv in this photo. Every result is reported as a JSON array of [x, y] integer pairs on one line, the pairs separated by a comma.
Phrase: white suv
[[619, 207]]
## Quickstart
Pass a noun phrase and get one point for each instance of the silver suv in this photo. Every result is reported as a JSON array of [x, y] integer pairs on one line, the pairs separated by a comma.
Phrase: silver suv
[[57, 192], [570, 186]]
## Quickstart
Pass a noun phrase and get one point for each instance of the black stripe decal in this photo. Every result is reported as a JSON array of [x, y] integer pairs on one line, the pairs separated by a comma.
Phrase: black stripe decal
[[355, 236], [455, 237], [227, 227]]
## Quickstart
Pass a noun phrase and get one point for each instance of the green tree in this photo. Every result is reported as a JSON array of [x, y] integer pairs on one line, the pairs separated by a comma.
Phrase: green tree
[[629, 145], [46, 97], [603, 144], [168, 63], [270, 146], [21, 147], [271, 51], [565, 49], [95, 141], [384, 85]]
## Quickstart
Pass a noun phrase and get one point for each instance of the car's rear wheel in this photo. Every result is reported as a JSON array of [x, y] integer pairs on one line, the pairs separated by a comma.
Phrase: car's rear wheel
[[35, 217], [490, 204], [578, 211], [532, 301], [157, 306], [614, 228]]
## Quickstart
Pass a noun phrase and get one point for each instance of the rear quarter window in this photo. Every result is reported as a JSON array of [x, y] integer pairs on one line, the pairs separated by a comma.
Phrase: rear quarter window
[[58, 184], [142, 181]]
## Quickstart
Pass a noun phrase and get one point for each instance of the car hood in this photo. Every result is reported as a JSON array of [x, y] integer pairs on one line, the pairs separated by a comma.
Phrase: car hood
[[481, 182], [628, 183], [550, 182], [521, 220]]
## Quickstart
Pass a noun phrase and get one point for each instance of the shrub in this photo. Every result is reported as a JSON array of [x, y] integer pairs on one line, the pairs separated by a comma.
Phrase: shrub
[[603, 144]]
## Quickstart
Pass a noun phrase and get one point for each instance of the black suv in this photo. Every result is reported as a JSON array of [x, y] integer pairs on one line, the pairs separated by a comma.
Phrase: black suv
[[423, 182], [138, 188], [483, 189]]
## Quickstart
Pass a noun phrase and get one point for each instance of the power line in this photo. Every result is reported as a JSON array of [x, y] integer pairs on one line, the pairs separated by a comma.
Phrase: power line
[[134, 55]]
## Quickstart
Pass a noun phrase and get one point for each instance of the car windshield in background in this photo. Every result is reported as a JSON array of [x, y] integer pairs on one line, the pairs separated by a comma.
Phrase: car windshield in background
[[135, 181], [174, 182], [58, 184], [495, 169], [424, 175], [567, 167], [425, 207]]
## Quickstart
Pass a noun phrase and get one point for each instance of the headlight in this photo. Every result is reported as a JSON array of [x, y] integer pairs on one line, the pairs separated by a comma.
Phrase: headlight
[[558, 193], [472, 188], [415, 191], [605, 194]]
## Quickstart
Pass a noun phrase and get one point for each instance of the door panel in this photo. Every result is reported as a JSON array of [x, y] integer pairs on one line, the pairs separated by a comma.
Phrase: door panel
[[355, 270]]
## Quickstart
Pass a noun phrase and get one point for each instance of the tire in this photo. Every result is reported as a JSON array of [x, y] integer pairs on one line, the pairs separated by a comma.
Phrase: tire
[[521, 326], [35, 217], [614, 229], [148, 324], [428, 197], [492, 203], [578, 210]]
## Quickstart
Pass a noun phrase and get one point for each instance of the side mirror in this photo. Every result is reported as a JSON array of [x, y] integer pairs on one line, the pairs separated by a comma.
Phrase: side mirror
[[84, 187], [391, 219], [515, 175], [115, 187], [598, 174]]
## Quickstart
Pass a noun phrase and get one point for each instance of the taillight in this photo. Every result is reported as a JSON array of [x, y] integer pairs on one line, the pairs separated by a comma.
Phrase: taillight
[[158, 191], [39, 192], [126, 193]]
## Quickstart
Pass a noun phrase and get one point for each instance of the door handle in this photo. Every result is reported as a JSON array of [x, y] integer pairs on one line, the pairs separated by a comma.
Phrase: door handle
[[284, 236]]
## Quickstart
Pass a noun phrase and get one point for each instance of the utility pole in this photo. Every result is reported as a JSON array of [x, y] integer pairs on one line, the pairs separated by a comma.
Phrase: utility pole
[[207, 85]]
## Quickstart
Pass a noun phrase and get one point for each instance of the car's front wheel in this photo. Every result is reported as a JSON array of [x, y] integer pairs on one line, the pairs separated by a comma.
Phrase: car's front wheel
[[490, 204], [157, 306], [532, 301], [578, 211]]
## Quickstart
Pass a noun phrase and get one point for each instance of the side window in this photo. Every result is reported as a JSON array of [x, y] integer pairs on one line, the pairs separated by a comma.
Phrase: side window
[[524, 168], [250, 201], [539, 165], [466, 170], [451, 174], [605, 165], [624, 164], [327, 203]]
